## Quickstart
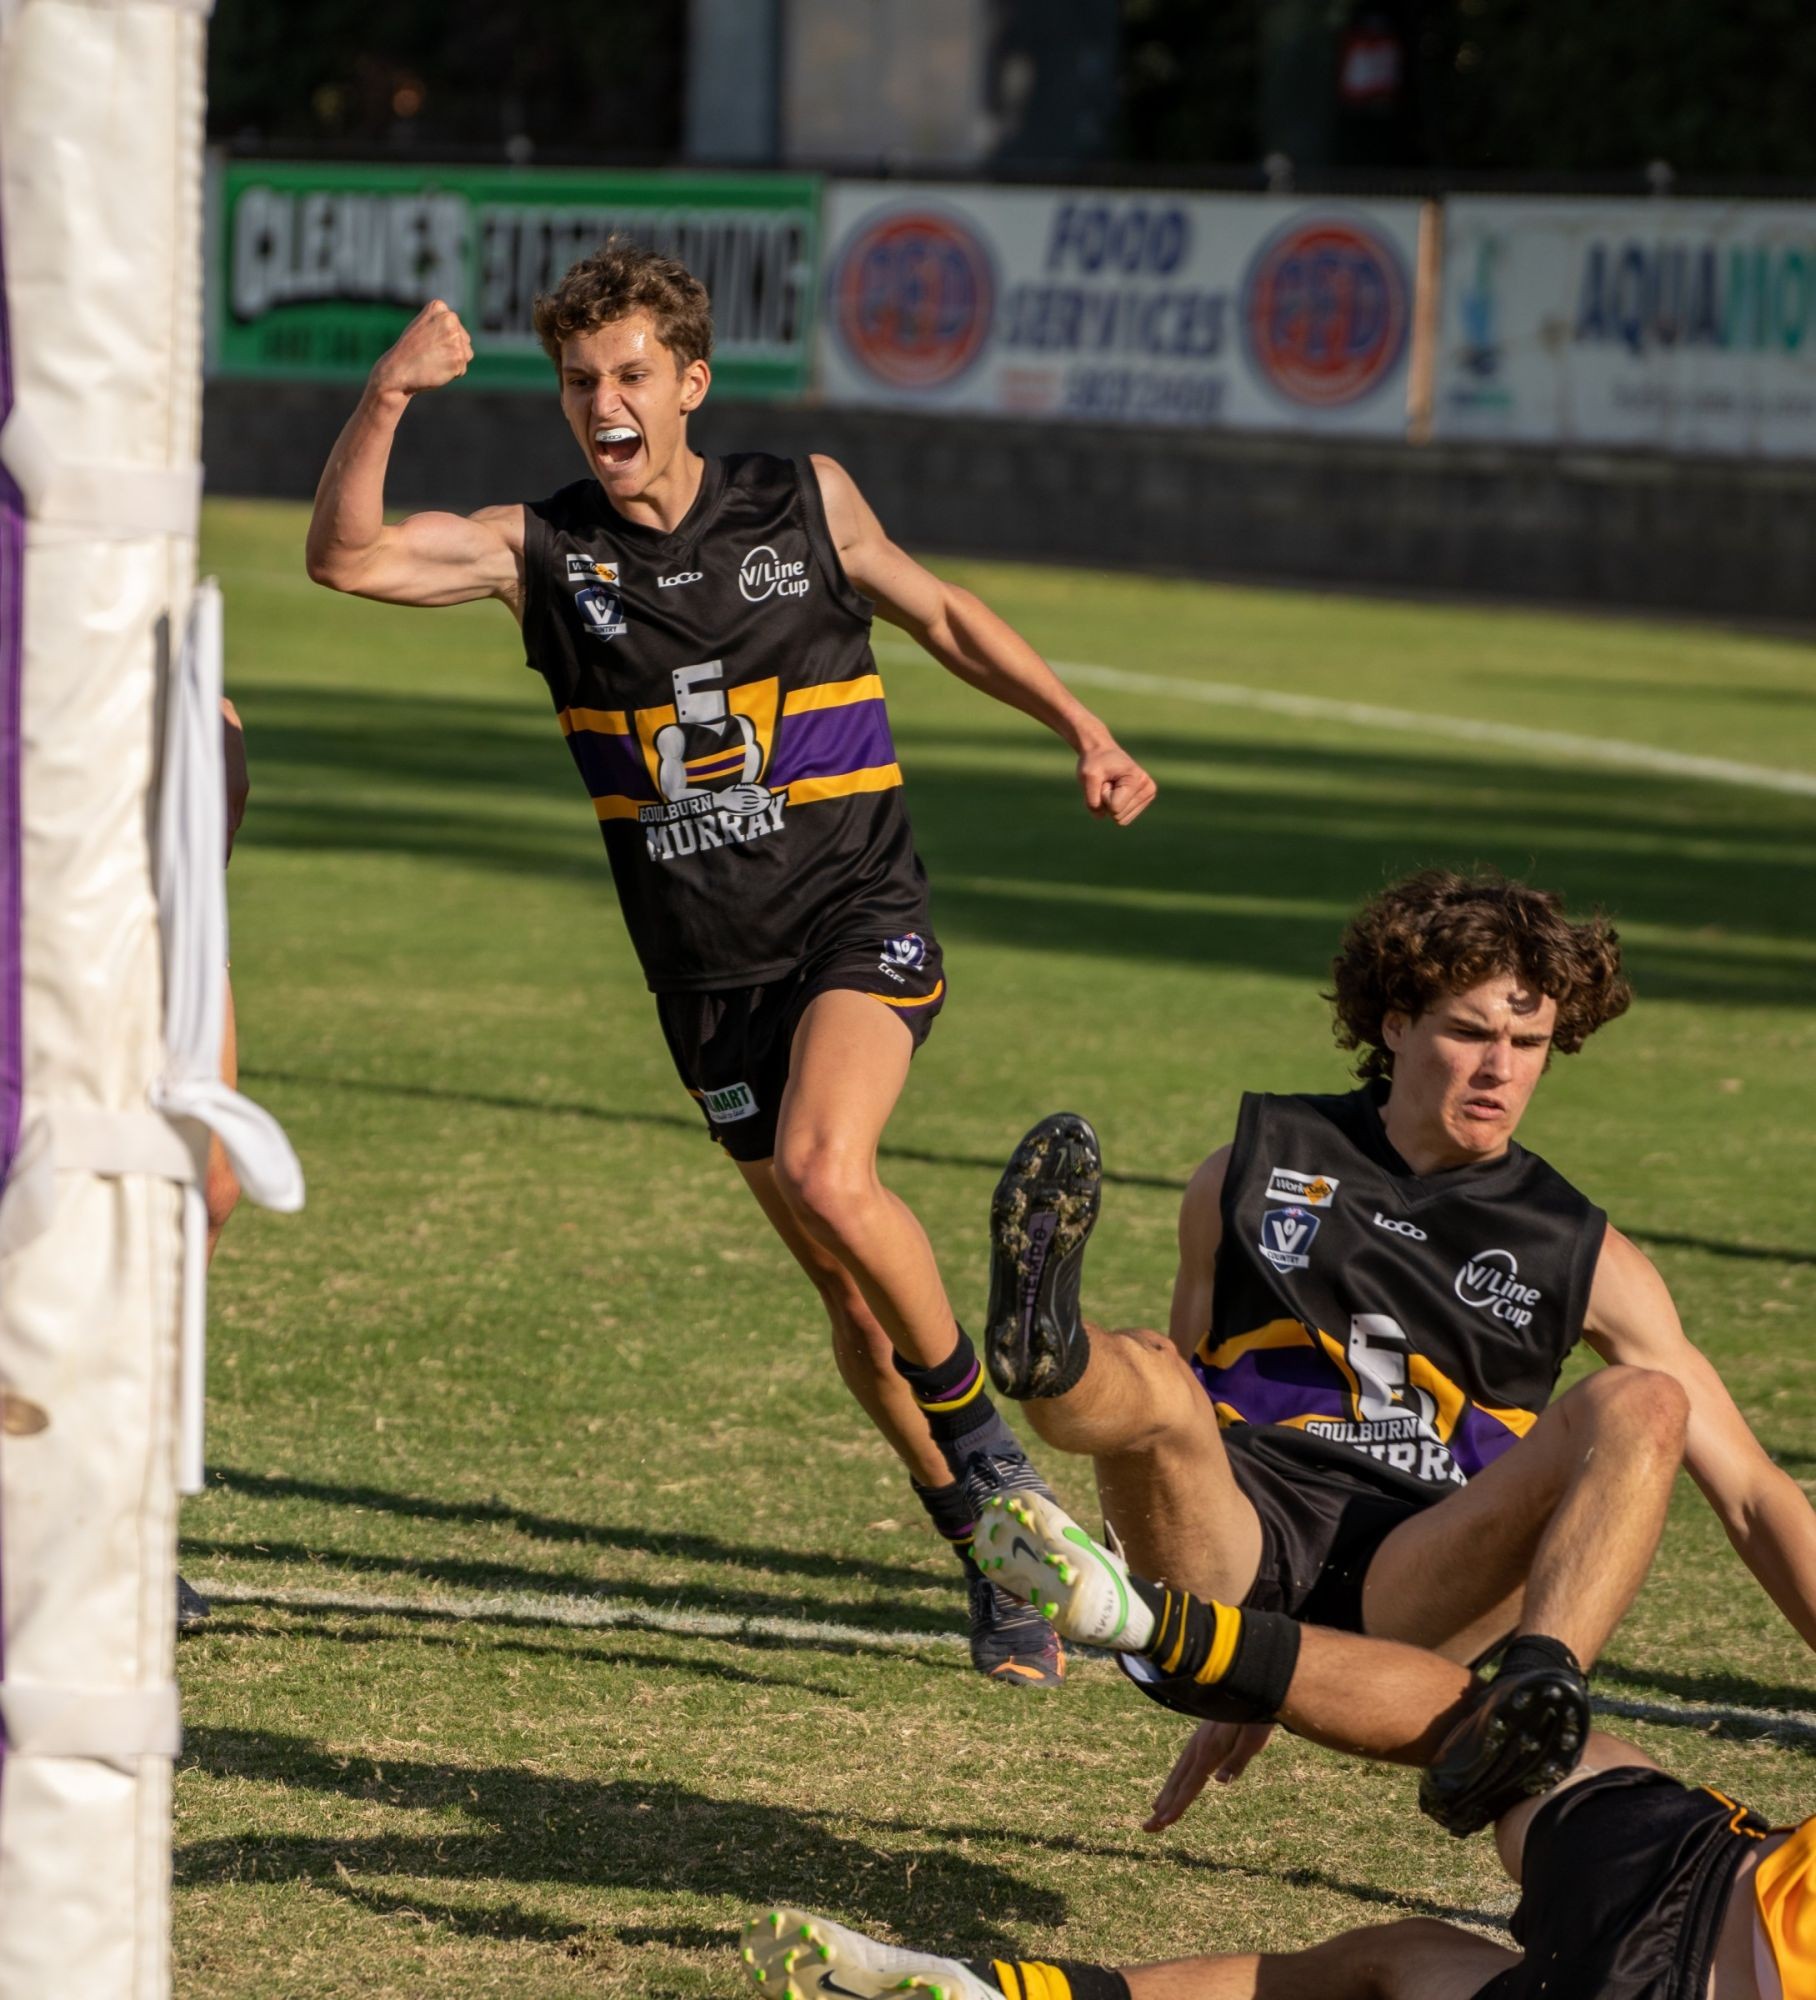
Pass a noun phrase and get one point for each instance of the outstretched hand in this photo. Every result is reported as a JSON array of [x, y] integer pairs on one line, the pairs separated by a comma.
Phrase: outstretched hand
[[1114, 785], [431, 351], [1216, 1750]]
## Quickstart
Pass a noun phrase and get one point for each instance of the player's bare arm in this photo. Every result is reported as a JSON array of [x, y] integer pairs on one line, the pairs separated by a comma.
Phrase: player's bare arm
[[427, 559], [971, 641], [1632, 1320], [1200, 1232]]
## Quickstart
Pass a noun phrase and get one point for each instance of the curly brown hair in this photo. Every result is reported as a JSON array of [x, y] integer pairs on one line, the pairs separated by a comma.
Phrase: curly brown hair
[[1438, 933], [621, 278]]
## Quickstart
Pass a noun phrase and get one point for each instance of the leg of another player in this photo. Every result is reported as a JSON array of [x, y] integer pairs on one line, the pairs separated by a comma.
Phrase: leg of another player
[[846, 1070], [1554, 1538], [222, 1190], [1416, 1959], [1163, 1475], [859, 1345]]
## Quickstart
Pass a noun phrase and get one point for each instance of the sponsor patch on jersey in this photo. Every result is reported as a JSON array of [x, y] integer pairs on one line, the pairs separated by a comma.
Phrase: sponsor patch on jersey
[[680, 577], [1490, 1281], [729, 1103], [1287, 1235], [1393, 1223], [1308, 1190], [585, 570], [764, 574]]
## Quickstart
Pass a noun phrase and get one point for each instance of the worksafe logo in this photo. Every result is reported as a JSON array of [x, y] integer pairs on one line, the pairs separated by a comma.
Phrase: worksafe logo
[[912, 297], [1310, 1190]]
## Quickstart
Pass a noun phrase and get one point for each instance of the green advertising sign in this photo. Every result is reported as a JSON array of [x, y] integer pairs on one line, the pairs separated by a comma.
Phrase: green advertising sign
[[317, 268]]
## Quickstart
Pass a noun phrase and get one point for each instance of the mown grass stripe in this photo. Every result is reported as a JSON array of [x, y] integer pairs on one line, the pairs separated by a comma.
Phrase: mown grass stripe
[[602, 1615], [1611, 751]]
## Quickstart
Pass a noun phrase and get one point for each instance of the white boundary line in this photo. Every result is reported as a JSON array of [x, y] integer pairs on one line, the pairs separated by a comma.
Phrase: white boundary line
[[602, 1615], [1610, 751]]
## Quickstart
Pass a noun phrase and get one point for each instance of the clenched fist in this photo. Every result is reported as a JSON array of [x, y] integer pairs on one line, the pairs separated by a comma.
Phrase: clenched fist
[[432, 350]]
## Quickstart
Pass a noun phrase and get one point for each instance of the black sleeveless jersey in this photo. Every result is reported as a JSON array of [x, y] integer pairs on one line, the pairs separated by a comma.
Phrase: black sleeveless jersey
[[719, 695], [1420, 1318]]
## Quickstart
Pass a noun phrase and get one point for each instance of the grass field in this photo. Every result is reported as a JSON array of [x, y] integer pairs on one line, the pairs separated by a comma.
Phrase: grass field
[[568, 1609]]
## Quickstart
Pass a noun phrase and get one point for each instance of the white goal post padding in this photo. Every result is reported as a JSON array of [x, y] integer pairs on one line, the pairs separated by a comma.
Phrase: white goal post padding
[[100, 225]]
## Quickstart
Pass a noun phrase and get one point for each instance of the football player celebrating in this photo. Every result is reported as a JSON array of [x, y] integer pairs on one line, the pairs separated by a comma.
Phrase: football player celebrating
[[1352, 1422], [703, 625]]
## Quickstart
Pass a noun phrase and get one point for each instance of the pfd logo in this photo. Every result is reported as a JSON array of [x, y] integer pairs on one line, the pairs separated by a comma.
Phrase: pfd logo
[[1326, 309], [912, 298], [1490, 1281]]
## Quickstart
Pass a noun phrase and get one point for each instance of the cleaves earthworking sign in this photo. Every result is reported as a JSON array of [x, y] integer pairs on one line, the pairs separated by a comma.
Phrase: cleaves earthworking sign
[[316, 269]]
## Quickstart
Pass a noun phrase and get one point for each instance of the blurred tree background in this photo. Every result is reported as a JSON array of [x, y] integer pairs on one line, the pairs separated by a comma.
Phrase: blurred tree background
[[1469, 86]]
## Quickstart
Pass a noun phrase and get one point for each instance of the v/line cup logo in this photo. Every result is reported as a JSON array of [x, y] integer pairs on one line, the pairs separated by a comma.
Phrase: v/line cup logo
[[912, 297], [1490, 1281], [764, 574], [1326, 311]]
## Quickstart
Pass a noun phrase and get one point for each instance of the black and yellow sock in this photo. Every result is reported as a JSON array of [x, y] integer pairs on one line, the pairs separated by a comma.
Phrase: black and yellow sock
[[955, 1400], [1246, 1655], [1050, 1979]]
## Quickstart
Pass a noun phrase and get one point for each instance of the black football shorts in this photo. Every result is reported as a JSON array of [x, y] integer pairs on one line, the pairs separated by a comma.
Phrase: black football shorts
[[1325, 1509], [1626, 1881], [732, 1047]]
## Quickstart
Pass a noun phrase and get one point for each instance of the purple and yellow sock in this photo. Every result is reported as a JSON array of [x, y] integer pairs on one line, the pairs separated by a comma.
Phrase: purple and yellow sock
[[955, 1399]]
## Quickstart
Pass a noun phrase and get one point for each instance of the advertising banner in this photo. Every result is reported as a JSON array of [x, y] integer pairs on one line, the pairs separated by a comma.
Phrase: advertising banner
[[1665, 325], [1096, 306], [318, 268]]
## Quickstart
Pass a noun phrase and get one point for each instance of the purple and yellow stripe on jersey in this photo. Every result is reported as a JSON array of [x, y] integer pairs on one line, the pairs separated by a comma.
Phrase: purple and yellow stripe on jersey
[[605, 748], [833, 741], [1299, 1376], [824, 742]]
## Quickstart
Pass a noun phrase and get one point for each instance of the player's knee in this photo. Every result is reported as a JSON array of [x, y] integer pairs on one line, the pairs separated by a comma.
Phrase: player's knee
[[1643, 1405], [828, 1189], [1397, 1954]]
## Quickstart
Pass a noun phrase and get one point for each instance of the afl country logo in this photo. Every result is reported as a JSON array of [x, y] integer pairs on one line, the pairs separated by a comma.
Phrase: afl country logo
[[912, 298], [1325, 312]]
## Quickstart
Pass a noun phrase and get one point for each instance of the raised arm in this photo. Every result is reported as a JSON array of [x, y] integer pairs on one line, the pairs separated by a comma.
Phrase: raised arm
[[428, 558], [971, 641], [1632, 1320], [1200, 1234]]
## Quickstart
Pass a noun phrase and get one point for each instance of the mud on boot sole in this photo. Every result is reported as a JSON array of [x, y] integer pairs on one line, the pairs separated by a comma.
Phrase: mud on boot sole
[[1041, 1217]]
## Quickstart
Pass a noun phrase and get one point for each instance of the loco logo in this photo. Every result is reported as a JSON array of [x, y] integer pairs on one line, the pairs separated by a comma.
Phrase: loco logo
[[1325, 311], [912, 297]]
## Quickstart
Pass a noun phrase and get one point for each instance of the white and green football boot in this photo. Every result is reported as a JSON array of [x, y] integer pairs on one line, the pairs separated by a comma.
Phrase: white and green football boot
[[793, 1956], [1027, 1543]]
